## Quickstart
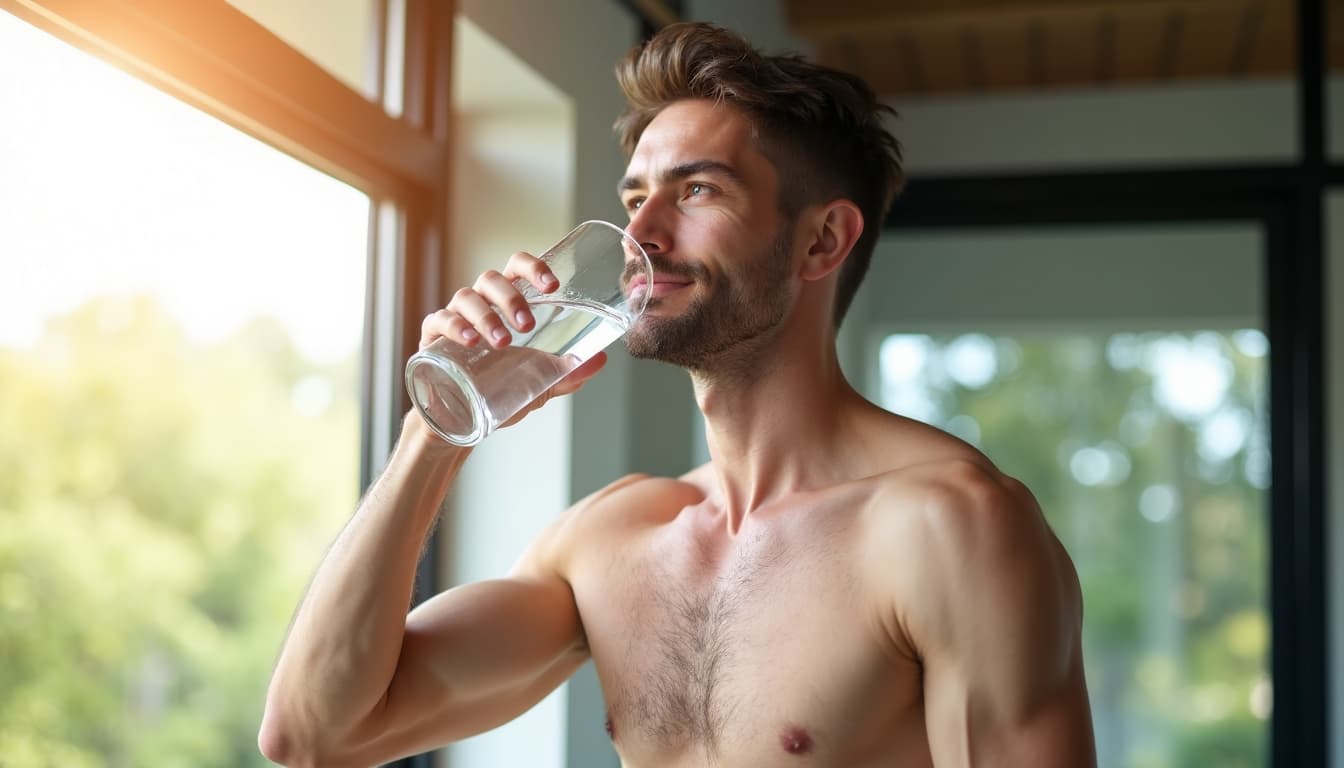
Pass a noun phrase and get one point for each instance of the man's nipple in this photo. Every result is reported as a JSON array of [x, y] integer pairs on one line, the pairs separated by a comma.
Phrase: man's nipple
[[795, 741]]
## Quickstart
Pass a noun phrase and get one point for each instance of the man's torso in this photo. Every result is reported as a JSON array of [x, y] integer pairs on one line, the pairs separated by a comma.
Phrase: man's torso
[[767, 647]]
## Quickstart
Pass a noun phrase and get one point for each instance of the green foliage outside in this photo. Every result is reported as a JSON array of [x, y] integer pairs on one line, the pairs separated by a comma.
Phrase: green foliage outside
[[163, 504], [1175, 594]]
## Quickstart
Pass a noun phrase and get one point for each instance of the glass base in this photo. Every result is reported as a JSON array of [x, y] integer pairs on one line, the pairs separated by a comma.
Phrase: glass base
[[446, 399]]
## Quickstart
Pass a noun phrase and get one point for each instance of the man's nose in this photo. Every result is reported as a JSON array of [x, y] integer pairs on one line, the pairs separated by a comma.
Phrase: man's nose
[[648, 226]]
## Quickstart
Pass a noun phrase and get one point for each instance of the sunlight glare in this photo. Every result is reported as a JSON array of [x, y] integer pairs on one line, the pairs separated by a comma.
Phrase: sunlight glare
[[1191, 378], [971, 361], [112, 187]]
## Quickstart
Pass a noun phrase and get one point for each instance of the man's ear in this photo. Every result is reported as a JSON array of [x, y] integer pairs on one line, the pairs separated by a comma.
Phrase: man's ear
[[832, 230]]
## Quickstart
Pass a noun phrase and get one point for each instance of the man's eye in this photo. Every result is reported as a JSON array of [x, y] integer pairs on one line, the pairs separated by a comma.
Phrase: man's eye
[[697, 189], [635, 203]]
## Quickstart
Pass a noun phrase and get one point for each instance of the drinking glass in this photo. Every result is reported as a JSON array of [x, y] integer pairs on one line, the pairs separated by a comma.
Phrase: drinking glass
[[465, 393]]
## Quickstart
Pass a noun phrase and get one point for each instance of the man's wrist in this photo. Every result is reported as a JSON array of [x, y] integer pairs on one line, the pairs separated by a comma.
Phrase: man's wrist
[[422, 442]]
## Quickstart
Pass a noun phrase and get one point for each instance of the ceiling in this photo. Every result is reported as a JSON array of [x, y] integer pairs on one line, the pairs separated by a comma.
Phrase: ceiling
[[926, 47]]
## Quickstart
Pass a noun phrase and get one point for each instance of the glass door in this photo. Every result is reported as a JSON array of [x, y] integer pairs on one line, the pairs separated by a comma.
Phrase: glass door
[[1121, 372]]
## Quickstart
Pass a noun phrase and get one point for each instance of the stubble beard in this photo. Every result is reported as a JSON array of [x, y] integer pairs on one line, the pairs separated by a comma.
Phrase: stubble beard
[[719, 330]]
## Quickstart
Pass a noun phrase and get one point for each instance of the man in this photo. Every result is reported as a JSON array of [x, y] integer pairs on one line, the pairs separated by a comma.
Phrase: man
[[839, 586]]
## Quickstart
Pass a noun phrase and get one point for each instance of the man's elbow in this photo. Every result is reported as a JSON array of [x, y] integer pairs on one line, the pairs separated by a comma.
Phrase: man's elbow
[[283, 744], [278, 744]]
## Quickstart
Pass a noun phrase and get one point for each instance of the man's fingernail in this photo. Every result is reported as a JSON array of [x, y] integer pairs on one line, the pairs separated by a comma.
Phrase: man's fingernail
[[549, 280], [500, 334], [521, 317], [470, 334]]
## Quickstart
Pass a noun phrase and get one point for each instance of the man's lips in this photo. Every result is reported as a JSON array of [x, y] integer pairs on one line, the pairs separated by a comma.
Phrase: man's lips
[[662, 285]]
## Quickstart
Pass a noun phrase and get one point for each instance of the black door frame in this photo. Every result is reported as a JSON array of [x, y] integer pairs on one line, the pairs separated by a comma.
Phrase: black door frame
[[1294, 326], [1287, 202]]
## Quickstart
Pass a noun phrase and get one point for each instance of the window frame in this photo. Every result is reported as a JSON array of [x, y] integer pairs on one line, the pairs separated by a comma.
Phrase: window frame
[[1287, 201], [211, 55]]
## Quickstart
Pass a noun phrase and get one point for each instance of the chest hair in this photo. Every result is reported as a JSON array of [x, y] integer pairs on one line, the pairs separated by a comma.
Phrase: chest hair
[[683, 692]]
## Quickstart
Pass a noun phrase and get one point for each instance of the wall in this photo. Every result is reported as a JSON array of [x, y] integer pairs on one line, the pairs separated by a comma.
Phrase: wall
[[1191, 124]]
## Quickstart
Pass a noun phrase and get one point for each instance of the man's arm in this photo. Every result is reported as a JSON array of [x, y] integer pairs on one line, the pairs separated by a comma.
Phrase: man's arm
[[996, 621], [359, 681]]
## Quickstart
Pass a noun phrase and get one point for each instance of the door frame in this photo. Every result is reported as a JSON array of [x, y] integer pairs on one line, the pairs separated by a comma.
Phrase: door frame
[[1290, 216]]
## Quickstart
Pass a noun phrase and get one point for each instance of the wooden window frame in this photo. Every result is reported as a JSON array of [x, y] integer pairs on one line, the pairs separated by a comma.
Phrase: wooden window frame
[[214, 57]]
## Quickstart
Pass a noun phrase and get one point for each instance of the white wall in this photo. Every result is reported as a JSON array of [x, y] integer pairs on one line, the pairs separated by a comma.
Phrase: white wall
[[1190, 124], [1147, 276]]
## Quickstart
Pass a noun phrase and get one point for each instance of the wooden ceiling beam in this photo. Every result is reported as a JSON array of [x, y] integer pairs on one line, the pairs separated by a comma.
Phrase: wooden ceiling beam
[[822, 20]]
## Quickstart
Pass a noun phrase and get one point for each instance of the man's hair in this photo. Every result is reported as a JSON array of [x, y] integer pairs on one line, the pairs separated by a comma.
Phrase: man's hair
[[821, 128]]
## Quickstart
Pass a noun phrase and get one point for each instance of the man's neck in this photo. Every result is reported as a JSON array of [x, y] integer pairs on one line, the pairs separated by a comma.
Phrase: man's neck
[[788, 430]]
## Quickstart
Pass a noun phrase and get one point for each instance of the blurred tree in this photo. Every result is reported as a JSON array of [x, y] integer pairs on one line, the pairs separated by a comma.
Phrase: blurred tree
[[163, 504]]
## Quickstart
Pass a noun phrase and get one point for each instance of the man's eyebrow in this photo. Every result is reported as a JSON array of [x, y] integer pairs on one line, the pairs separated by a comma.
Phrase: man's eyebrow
[[683, 171]]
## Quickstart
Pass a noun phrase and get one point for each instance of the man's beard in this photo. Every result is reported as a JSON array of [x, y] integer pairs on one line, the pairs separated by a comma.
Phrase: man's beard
[[739, 308]]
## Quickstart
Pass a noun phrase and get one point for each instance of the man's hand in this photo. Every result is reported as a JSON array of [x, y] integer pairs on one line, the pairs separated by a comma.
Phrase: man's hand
[[476, 316]]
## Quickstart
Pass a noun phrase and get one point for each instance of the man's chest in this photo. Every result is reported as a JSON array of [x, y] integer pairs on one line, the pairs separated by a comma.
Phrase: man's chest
[[765, 652]]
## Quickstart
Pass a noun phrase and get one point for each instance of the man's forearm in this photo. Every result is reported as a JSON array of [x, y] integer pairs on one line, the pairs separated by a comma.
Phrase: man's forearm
[[342, 649]]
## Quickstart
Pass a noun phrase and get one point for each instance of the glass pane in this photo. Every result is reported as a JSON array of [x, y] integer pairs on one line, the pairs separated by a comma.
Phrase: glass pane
[[339, 35], [180, 322], [1149, 453]]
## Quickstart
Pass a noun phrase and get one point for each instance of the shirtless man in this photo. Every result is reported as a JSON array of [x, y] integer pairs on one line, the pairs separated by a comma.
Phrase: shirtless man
[[839, 586]]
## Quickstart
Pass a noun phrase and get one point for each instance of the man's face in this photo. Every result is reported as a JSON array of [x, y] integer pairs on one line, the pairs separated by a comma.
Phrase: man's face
[[702, 202]]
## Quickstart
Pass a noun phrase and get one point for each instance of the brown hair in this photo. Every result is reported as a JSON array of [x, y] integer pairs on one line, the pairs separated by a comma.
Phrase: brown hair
[[821, 128]]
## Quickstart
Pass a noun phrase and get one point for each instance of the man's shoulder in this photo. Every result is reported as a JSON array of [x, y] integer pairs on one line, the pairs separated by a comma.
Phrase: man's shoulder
[[951, 510], [943, 532], [631, 502], [951, 487]]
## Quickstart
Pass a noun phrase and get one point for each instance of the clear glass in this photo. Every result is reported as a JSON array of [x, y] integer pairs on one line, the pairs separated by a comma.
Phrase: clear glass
[[465, 393], [1149, 453], [339, 35], [180, 323]]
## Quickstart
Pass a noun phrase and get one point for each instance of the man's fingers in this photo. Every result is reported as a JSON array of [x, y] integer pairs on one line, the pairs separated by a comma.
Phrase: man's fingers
[[446, 323], [478, 312], [533, 270], [491, 305], [579, 376], [498, 289]]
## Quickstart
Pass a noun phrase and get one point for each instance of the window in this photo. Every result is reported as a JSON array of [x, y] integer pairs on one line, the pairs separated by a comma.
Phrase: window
[[1121, 371], [1149, 454], [340, 35], [178, 382]]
